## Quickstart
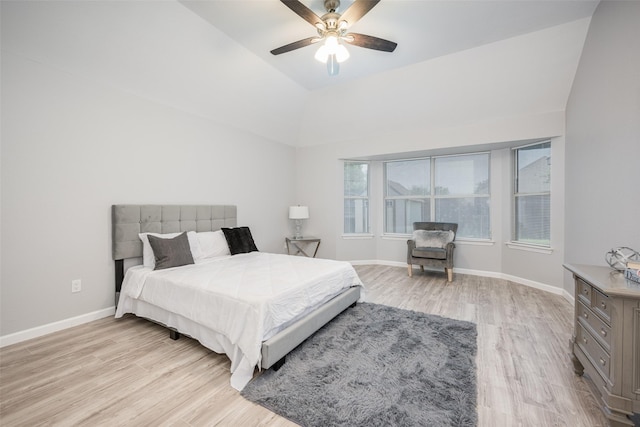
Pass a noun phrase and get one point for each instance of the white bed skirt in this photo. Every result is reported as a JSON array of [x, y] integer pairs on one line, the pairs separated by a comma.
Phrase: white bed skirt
[[241, 370]]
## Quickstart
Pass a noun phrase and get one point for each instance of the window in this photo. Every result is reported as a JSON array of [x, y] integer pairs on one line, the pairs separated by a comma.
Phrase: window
[[407, 194], [445, 189], [532, 194], [462, 193], [356, 198]]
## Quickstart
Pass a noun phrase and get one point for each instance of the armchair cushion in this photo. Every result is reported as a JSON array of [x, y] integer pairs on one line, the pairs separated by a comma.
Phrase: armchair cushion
[[432, 239], [433, 253]]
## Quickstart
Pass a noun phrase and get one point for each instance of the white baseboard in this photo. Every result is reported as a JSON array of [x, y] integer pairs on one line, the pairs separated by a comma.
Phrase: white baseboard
[[55, 327], [378, 262], [531, 283]]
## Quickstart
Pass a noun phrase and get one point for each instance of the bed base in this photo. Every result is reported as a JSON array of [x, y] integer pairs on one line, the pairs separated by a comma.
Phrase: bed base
[[277, 365], [275, 349]]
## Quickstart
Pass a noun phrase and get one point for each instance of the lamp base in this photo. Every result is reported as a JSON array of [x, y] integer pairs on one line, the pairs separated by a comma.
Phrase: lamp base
[[298, 234]]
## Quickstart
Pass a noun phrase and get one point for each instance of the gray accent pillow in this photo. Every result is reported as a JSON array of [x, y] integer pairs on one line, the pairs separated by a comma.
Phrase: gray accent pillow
[[432, 238], [172, 252]]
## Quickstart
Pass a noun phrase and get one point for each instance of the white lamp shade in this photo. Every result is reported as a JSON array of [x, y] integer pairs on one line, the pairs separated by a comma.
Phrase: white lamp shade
[[298, 212], [342, 54], [322, 54]]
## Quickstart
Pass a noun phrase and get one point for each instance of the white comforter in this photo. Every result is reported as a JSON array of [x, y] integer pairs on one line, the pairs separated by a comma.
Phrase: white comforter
[[247, 297]]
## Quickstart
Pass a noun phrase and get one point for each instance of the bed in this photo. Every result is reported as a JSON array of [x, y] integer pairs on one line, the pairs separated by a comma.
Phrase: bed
[[255, 307]]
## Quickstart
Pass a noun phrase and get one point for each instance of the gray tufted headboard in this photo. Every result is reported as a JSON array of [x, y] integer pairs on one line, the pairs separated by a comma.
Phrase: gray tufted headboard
[[129, 220]]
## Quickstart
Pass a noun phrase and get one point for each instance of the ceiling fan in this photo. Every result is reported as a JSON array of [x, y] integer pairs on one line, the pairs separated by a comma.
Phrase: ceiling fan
[[332, 29]]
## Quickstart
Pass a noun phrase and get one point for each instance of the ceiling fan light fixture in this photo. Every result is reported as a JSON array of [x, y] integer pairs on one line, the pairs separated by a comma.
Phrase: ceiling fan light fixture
[[342, 54], [322, 54], [332, 27], [333, 66], [331, 42], [331, 48]]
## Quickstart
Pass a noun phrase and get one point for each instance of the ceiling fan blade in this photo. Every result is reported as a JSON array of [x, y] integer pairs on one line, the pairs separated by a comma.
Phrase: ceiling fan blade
[[295, 45], [370, 42], [303, 11], [357, 10]]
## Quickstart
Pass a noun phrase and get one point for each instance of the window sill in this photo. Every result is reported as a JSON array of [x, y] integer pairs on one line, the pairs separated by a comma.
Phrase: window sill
[[395, 236], [529, 248], [474, 242], [364, 236], [461, 241]]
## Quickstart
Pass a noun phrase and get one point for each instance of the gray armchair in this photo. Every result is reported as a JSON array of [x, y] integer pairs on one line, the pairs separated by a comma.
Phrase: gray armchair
[[436, 255]]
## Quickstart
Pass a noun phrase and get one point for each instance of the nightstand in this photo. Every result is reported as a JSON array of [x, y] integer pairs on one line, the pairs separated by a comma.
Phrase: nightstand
[[300, 246]]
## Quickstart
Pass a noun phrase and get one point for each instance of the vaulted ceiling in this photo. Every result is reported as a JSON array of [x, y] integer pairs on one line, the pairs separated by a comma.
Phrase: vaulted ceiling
[[457, 61], [423, 29]]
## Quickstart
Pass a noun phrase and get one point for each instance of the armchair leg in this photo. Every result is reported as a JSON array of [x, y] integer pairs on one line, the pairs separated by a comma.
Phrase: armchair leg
[[410, 268], [449, 274]]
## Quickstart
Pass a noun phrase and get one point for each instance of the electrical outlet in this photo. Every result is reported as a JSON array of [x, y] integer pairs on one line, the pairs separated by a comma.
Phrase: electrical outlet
[[76, 285]]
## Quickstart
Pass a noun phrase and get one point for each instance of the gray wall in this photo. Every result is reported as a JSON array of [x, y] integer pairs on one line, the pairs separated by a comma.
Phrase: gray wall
[[76, 140], [603, 138]]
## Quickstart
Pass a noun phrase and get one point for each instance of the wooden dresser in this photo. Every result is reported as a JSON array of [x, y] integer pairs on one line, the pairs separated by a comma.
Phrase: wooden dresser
[[606, 339]]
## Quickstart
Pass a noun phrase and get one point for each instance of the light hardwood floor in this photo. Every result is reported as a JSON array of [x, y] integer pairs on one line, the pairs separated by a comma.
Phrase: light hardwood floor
[[129, 372]]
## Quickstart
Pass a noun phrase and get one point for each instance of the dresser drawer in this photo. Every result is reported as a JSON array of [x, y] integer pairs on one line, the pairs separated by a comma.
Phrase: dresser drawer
[[589, 345], [584, 291], [601, 305], [597, 326]]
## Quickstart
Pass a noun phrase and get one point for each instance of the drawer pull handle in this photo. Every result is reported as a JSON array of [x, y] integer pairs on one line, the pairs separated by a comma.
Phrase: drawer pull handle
[[603, 332], [604, 305], [602, 362], [585, 291], [584, 340], [586, 315]]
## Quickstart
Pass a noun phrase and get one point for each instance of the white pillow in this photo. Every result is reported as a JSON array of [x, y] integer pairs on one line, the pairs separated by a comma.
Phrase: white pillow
[[432, 238], [211, 244], [149, 260]]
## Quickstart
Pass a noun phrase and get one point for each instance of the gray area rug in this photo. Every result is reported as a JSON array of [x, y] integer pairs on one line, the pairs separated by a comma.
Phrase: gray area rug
[[375, 365]]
